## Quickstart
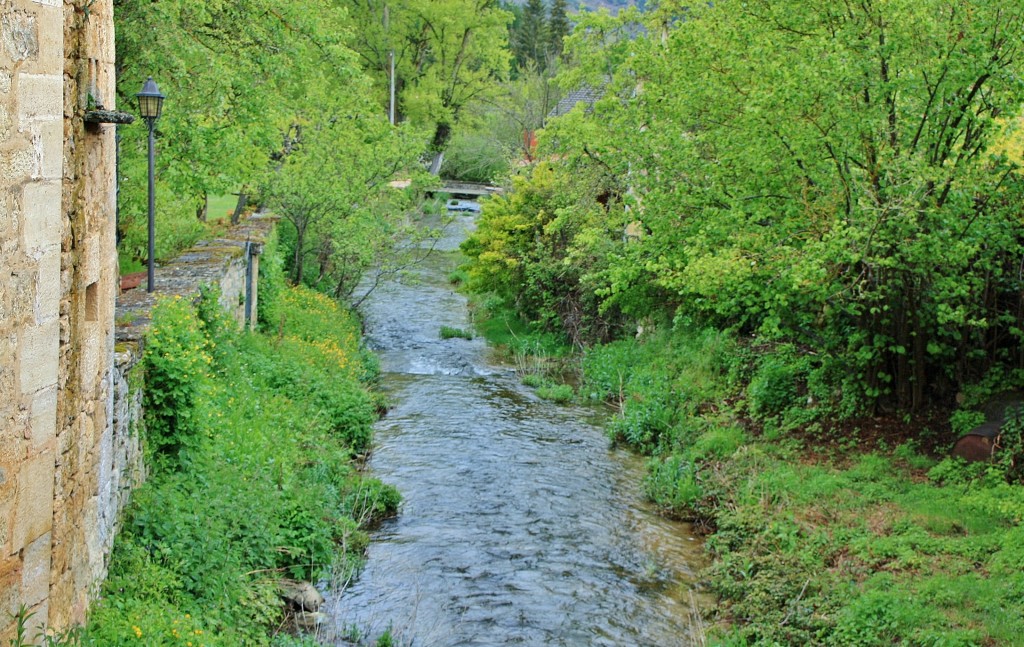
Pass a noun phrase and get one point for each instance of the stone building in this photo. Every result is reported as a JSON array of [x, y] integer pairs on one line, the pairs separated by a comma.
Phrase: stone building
[[58, 270]]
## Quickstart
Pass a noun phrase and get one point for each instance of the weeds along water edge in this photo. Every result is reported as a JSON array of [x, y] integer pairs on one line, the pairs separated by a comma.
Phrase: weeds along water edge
[[252, 444]]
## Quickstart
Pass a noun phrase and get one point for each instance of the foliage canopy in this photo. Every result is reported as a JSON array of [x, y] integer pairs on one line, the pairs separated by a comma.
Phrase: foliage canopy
[[828, 177]]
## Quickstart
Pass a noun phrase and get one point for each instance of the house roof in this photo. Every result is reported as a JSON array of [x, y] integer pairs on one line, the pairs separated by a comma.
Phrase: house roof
[[587, 96]]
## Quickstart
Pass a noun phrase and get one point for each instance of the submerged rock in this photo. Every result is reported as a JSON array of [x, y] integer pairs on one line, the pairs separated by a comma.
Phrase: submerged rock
[[309, 620]]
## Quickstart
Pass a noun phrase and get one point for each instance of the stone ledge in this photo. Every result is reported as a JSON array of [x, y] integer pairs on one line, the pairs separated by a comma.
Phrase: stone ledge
[[205, 263]]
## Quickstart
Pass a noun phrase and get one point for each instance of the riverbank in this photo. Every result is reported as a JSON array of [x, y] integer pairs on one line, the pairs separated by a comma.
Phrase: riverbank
[[822, 531], [252, 444]]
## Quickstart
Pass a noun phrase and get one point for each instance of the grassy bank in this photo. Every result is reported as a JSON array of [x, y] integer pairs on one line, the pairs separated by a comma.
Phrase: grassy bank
[[251, 441], [824, 530]]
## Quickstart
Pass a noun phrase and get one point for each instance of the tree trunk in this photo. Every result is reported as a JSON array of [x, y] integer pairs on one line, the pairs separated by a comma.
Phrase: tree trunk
[[300, 235], [203, 208], [442, 133], [435, 165]]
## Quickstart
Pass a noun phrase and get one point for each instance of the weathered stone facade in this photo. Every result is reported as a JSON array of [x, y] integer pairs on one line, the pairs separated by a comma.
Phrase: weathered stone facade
[[70, 401], [58, 275]]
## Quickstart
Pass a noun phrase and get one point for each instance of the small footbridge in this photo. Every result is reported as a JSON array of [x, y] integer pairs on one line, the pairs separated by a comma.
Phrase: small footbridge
[[467, 189]]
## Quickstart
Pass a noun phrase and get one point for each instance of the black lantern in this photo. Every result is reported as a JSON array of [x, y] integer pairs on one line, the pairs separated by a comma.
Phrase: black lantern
[[151, 103]]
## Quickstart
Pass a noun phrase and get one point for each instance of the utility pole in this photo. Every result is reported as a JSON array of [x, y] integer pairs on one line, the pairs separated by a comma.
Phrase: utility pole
[[391, 66]]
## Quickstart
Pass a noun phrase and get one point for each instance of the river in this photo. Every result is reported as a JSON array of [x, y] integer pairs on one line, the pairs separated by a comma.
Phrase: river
[[520, 526]]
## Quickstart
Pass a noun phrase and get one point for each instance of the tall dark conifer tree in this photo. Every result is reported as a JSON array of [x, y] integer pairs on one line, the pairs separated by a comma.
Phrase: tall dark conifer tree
[[558, 27], [531, 39]]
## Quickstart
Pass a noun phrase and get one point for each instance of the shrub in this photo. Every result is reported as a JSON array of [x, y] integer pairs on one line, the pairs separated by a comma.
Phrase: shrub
[[774, 387], [41, 636], [217, 324], [1010, 456], [672, 484], [177, 363], [458, 276], [370, 501], [474, 158], [271, 284], [561, 393], [533, 380], [880, 617], [350, 414], [643, 421], [606, 368], [718, 442]]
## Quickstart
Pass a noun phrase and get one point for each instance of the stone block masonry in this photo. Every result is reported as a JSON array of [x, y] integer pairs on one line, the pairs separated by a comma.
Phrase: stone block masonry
[[33, 228], [70, 402]]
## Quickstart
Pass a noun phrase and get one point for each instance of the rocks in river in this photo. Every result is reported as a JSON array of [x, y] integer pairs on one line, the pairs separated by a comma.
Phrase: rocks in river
[[309, 620], [301, 596]]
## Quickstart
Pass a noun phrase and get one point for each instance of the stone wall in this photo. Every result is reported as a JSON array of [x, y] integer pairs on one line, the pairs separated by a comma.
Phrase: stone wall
[[70, 406], [228, 262], [88, 287], [48, 249]]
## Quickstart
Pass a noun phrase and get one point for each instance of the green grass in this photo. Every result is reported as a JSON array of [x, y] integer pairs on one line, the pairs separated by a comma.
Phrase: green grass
[[447, 332], [856, 545], [221, 206], [561, 393], [866, 555]]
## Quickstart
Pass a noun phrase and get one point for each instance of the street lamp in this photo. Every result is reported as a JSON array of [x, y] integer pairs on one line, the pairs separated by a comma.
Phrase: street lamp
[[151, 103]]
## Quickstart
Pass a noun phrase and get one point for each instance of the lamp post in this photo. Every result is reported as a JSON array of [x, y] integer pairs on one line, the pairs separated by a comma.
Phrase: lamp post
[[151, 102]]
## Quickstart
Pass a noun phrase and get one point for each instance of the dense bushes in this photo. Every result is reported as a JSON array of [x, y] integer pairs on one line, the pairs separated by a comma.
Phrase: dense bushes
[[856, 203], [659, 386], [475, 157], [262, 485], [526, 253], [177, 368]]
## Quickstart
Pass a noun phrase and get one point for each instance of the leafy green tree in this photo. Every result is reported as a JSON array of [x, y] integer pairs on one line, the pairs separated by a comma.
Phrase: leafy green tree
[[332, 188], [500, 133], [822, 177], [236, 75], [448, 55]]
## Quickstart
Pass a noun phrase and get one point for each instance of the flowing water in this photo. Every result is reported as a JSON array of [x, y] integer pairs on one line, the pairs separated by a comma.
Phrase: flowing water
[[519, 525]]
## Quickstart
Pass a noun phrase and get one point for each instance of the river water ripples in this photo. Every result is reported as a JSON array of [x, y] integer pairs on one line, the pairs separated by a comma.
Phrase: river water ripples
[[519, 525]]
